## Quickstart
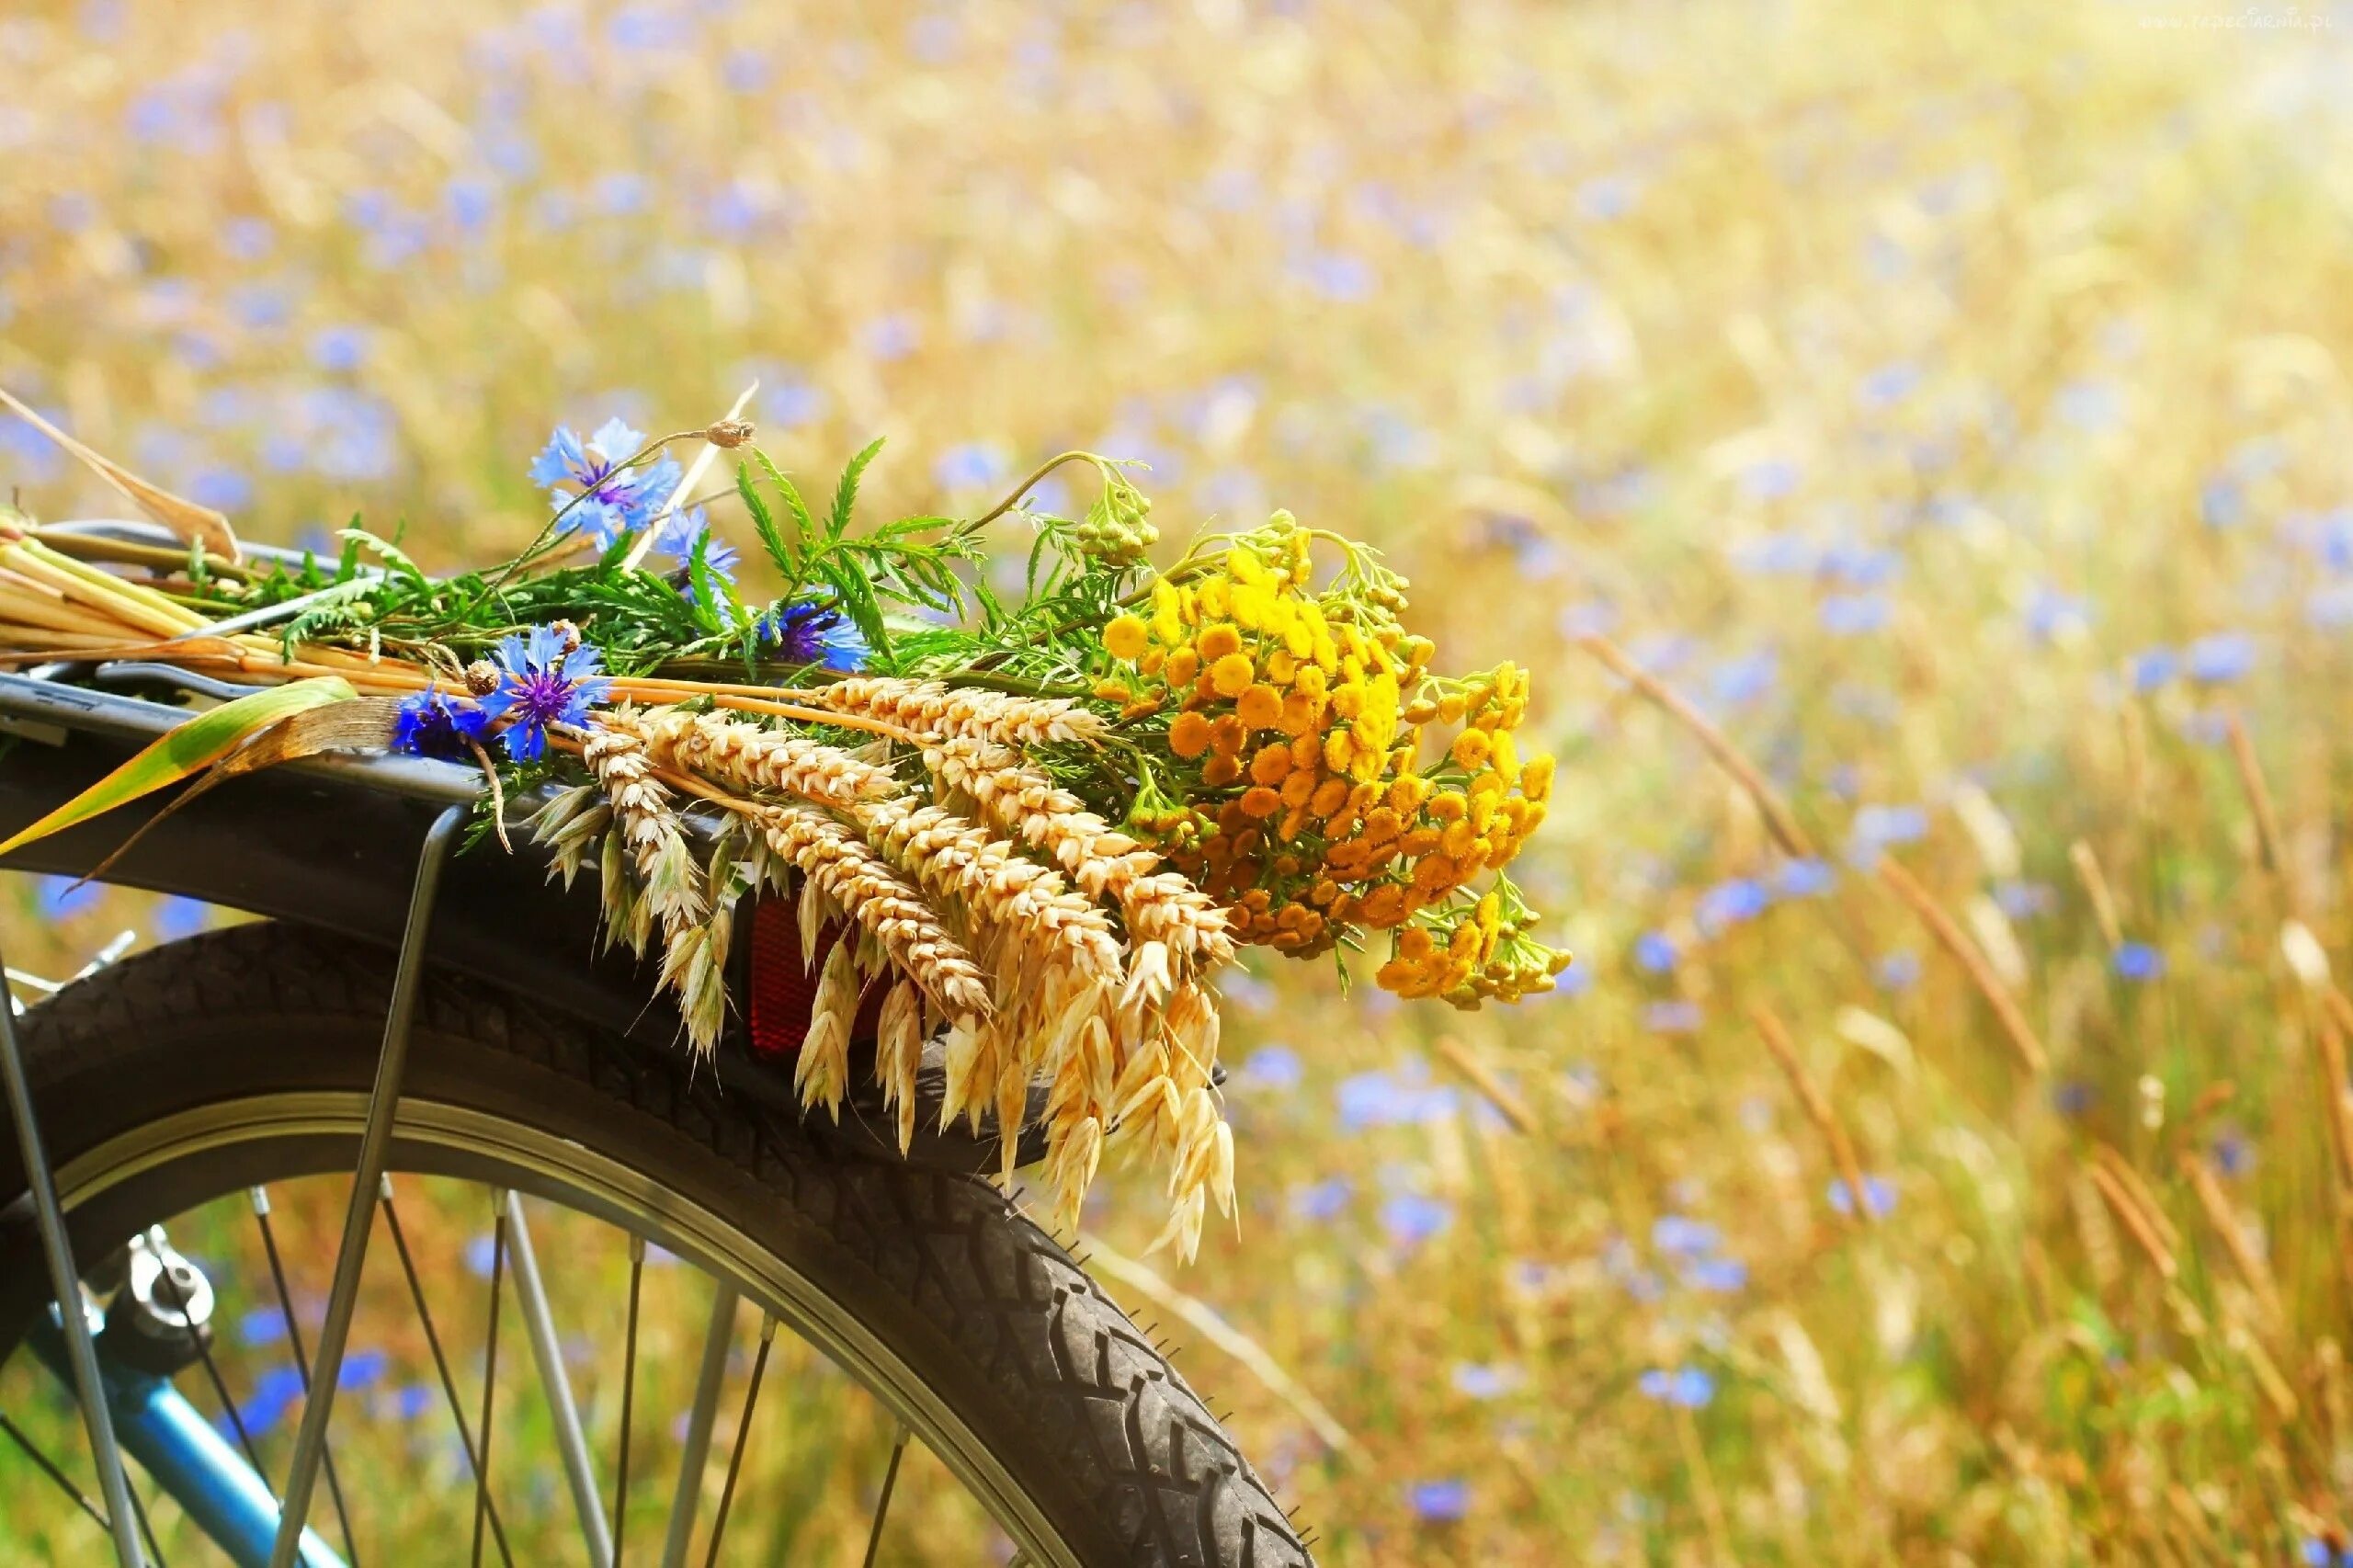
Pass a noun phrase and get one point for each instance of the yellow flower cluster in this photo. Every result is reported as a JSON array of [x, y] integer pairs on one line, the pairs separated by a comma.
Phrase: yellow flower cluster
[[1295, 722]]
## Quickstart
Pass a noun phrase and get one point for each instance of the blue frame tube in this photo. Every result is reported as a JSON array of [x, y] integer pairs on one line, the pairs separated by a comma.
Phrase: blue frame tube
[[193, 1464]]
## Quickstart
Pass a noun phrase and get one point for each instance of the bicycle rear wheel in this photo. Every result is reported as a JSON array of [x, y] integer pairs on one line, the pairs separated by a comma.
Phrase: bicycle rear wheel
[[244, 1058]]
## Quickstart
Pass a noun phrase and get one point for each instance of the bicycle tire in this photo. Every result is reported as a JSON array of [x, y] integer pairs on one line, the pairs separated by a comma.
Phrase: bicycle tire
[[986, 1313]]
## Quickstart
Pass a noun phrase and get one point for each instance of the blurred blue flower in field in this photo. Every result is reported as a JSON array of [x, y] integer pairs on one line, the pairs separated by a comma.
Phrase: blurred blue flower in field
[[2073, 1097], [2139, 962], [411, 1401], [1412, 1219], [1326, 1200], [970, 466], [1672, 1017], [2022, 900], [362, 1369], [1855, 615], [262, 1325], [2052, 614], [1775, 554], [1770, 478], [891, 337], [1593, 618], [2233, 1154], [1804, 879], [1607, 197], [482, 1253], [1273, 1067], [1735, 681], [1680, 1236], [2224, 656], [1376, 1099], [1888, 385], [2153, 667], [1727, 904], [1723, 1276], [1439, 1502], [746, 69], [1879, 1197], [1486, 1380], [1654, 952], [72, 211], [2222, 502], [63, 898], [2090, 406], [339, 348], [1861, 566], [1875, 828], [622, 194], [1898, 972], [1688, 1387], [275, 1391], [2331, 608], [1339, 276], [472, 201], [222, 489]]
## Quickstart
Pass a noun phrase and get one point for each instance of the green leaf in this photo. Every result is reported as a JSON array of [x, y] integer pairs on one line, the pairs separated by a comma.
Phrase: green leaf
[[763, 520], [791, 493], [387, 551], [846, 492], [705, 602], [200, 740]]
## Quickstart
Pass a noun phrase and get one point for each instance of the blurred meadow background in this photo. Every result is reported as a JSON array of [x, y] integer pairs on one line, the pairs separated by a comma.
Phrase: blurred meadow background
[[1908, 444]]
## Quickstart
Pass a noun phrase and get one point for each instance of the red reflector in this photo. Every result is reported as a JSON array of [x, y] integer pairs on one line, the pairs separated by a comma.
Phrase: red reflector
[[782, 990]]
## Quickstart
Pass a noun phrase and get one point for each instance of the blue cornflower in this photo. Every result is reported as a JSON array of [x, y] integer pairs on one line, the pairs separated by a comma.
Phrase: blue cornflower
[[1439, 1502], [2139, 962], [1273, 1067], [1725, 1275], [1326, 1200], [1879, 1197], [1689, 1387], [1898, 972], [616, 503], [1411, 1218], [1654, 952], [2224, 656], [1684, 1237], [1485, 1382], [1804, 879], [434, 723], [540, 684], [679, 534], [813, 635], [1729, 902]]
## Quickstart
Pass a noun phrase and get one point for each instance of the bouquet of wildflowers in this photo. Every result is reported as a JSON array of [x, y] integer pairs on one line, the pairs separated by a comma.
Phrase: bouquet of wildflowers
[[1045, 824]]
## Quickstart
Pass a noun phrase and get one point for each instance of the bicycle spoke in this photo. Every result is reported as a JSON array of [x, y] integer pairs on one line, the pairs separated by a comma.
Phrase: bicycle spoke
[[743, 1437], [547, 1356], [260, 1201], [440, 1359], [882, 1504], [628, 1388], [49, 1467], [138, 1512], [170, 1289], [490, 1368], [697, 1448]]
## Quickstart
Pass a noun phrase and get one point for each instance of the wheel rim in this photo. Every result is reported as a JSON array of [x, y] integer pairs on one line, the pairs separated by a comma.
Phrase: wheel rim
[[442, 1138]]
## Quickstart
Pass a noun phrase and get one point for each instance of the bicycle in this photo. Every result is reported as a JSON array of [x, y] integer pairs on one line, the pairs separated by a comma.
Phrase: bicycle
[[399, 1010]]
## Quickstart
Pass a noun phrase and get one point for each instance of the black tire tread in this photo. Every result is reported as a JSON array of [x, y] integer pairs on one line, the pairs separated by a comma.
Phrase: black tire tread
[[1079, 1394]]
